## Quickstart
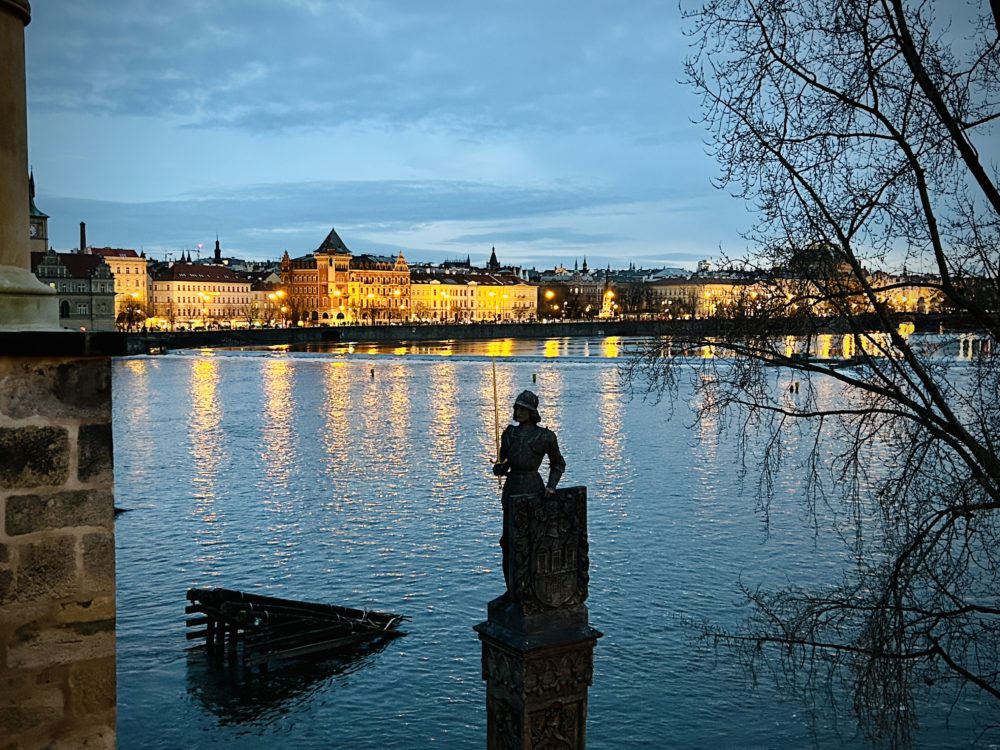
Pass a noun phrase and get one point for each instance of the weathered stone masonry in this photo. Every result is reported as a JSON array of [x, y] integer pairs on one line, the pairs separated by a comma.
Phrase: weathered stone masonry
[[57, 554]]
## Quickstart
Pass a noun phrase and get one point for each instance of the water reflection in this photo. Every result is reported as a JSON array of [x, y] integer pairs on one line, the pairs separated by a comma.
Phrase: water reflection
[[338, 404], [137, 428], [443, 406], [609, 418], [238, 695], [500, 348], [276, 445], [612, 347], [399, 407], [204, 419]]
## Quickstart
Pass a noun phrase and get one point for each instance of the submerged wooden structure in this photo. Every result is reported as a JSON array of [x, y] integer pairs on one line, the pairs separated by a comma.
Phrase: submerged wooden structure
[[256, 630]]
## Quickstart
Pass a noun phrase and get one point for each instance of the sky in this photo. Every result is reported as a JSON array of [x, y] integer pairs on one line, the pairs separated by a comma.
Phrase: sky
[[552, 131]]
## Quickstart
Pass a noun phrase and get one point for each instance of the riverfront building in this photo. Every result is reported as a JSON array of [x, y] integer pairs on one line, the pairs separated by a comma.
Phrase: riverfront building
[[472, 298], [85, 285], [191, 296], [131, 276], [332, 285]]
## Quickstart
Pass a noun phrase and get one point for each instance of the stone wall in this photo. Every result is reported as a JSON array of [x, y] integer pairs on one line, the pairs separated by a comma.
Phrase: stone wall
[[57, 554]]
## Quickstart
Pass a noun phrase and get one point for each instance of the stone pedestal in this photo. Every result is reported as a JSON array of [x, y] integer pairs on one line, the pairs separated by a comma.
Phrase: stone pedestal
[[538, 646], [26, 304]]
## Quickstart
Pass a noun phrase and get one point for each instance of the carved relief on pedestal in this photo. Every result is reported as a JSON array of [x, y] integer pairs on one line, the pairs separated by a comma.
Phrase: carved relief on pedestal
[[506, 732], [558, 674], [501, 669], [556, 727]]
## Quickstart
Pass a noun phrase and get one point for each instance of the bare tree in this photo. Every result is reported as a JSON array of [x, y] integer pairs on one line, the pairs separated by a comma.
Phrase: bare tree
[[855, 127]]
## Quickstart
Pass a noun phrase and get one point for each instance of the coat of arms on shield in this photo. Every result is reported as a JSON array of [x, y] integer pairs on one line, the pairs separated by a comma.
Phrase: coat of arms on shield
[[553, 548]]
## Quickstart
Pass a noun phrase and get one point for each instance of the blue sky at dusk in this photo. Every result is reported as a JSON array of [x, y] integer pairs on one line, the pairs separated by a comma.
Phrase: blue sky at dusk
[[553, 130]]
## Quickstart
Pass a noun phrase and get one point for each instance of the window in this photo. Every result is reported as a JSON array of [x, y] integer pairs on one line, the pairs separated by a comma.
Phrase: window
[[81, 308]]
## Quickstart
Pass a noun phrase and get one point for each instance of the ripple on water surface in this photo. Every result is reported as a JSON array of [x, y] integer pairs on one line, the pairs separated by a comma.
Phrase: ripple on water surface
[[300, 475]]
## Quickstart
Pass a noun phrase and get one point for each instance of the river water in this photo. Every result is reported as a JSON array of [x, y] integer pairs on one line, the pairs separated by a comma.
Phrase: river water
[[360, 476]]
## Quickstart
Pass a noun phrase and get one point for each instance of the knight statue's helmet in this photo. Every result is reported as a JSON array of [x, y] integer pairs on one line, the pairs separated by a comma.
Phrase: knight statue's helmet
[[529, 401]]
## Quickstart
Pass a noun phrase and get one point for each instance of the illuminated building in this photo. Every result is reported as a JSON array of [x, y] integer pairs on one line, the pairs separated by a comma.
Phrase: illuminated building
[[188, 296], [471, 297], [131, 276], [332, 285]]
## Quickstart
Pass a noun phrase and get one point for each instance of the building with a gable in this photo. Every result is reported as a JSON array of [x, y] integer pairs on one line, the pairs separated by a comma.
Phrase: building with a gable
[[85, 287], [331, 285]]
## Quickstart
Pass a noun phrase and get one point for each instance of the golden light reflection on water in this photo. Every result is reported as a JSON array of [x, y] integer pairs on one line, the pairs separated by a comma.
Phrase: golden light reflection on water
[[338, 404], [138, 372], [824, 345], [790, 346], [137, 430], [610, 421], [611, 347], [277, 437], [443, 408], [500, 348], [204, 420], [400, 406], [553, 347]]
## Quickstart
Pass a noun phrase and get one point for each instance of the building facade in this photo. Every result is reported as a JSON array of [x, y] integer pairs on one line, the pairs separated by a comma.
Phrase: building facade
[[189, 296], [333, 286], [85, 287], [131, 276]]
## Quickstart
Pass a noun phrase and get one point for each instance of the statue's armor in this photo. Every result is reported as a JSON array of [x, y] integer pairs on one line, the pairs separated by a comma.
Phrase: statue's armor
[[523, 447]]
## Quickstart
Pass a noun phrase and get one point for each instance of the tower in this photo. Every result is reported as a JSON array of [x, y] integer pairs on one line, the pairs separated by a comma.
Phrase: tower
[[38, 222]]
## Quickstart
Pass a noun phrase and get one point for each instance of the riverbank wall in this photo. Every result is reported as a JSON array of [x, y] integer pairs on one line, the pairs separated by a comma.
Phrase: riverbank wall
[[158, 341]]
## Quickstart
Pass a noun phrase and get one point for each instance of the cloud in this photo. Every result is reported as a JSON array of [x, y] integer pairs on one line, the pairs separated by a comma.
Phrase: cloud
[[266, 67]]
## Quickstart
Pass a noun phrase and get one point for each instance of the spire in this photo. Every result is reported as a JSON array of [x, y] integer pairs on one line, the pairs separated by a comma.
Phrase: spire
[[218, 251], [32, 208], [332, 244], [576, 265], [585, 264], [493, 264]]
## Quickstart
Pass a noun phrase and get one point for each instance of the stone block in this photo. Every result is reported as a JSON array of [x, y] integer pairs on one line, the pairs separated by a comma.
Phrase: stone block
[[6, 586], [96, 457], [87, 610], [92, 686], [41, 645], [92, 737], [33, 457], [24, 709], [45, 569], [26, 514], [77, 388], [4, 553], [99, 561]]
